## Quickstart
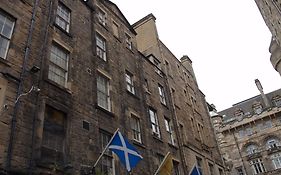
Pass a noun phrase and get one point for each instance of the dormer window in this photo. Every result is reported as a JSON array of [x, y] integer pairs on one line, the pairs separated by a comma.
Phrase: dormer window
[[257, 108], [239, 113], [276, 101]]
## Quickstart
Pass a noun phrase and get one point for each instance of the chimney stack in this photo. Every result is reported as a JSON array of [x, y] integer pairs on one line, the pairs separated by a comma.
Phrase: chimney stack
[[259, 86]]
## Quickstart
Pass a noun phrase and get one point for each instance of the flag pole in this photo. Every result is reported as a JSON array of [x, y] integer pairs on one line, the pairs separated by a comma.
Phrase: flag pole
[[105, 148], [162, 163]]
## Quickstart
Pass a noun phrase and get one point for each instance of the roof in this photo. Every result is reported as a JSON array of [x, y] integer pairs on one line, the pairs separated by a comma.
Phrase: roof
[[246, 105]]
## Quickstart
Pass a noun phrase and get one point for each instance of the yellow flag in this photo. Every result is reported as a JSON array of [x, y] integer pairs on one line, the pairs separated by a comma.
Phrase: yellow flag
[[166, 166]]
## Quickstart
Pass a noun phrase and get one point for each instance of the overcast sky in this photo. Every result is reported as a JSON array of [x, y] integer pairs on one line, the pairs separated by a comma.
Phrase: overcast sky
[[227, 41]]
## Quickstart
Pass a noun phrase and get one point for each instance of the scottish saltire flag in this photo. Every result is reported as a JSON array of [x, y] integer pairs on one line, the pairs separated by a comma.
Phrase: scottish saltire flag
[[127, 154], [195, 171]]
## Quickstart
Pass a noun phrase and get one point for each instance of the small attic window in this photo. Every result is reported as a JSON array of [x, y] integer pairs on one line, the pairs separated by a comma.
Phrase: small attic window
[[239, 113], [276, 101], [257, 108]]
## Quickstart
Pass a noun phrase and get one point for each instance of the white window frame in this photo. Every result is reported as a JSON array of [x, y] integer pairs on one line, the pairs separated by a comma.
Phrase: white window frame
[[101, 47], [257, 166], [128, 41], [54, 60], [103, 92], [168, 126], [7, 22], [63, 16], [108, 154], [162, 94], [154, 122], [272, 143], [136, 129], [130, 82], [276, 160], [102, 16]]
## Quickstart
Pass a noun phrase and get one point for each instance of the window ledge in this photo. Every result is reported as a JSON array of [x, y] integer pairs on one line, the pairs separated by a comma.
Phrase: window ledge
[[173, 146], [140, 144], [133, 95], [5, 62], [62, 30], [165, 105], [157, 138], [104, 110], [65, 89]]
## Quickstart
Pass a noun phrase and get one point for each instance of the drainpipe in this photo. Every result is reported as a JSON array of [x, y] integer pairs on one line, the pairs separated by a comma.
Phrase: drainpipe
[[20, 87], [30, 166]]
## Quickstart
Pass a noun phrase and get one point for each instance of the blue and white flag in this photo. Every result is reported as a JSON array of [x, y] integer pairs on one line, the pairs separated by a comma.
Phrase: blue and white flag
[[195, 171], [127, 154]]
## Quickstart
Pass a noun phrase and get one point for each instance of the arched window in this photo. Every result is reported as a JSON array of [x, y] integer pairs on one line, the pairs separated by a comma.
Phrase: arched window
[[272, 143], [251, 149]]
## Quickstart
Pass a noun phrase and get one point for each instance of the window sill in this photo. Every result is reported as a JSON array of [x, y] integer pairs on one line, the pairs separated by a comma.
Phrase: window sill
[[63, 31], [109, 113], [140, 144], [157, 138], [165, 105], [5, 62], [173, 146], [133, 95], [65, 89]]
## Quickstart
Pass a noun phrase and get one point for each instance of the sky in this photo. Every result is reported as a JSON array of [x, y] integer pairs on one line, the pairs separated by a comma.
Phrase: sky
[[226, 40]]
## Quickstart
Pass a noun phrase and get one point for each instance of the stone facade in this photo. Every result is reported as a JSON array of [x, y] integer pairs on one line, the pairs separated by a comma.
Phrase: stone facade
[[72, 72], [271, 13], [248, 135]]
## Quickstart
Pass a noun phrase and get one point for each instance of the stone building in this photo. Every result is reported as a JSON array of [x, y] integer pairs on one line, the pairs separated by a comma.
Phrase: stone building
[[72, 72], [271, 13], [248, 134]]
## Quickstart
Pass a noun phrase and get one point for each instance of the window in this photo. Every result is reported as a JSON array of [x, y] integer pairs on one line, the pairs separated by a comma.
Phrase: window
[[146, 86], [249, 131], [63, 17], [103, 92], [239, 171], [115, 29], [130, 83], [272, 143], [159, 159], [162, 94], [102, 17], [168, 125], [268, 124], [199, 164], [58, 68], [135, 126], [239, 113], [6, 29], [168, 68], [276, 160], [107, 162], [221, 172], [53, 135], [128, 41], [101, 48], [86, 125], [257, 166], [176, 168], [241, 133], [257, 108], [251, 149], [276, 101], [211, 167], [154, 122]]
